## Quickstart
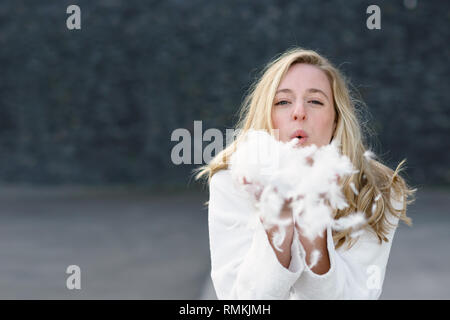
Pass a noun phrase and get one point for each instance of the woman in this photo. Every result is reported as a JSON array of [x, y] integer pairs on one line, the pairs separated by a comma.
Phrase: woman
[[301, 94]]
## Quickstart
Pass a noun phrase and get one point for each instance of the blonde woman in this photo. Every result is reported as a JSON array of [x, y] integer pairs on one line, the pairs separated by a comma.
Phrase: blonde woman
[[300, 93]]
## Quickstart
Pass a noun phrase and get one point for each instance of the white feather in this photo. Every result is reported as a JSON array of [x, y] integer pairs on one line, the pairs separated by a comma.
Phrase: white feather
[[352, 185], [355, 220], [278, 238], [369, 155], [280, 171], [315, 256]]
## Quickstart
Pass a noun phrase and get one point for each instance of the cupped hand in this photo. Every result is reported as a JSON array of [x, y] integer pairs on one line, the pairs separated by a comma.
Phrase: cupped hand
[[256, 189]]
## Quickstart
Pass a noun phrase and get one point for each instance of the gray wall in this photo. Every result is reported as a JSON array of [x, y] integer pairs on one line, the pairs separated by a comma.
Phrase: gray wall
[[98, 105]]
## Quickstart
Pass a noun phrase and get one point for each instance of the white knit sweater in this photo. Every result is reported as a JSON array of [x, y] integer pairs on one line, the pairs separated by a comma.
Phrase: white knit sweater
[[244, 265]]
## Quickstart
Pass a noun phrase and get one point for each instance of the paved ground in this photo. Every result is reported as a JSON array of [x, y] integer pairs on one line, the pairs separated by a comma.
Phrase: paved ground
[[138, 245], [419, 264], [128, 245]]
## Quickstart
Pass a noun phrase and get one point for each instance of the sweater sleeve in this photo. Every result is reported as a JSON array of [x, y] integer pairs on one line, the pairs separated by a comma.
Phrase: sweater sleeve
[[243, 264], [356, 273]]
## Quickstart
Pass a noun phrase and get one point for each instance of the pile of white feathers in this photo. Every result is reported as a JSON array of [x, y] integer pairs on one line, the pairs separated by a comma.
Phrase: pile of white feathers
[[307, 178]]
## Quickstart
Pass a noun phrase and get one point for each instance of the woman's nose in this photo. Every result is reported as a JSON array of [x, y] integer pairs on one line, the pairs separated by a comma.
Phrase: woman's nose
[[299, 112]]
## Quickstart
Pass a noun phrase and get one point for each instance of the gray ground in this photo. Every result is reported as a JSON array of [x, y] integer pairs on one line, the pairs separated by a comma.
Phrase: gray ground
[[134, 245]]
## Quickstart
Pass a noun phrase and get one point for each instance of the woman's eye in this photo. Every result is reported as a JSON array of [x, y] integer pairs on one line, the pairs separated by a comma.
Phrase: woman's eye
[[282, 102], [316, 102]]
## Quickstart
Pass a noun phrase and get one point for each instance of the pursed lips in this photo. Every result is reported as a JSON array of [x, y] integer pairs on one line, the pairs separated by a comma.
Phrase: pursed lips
[[299, 134]]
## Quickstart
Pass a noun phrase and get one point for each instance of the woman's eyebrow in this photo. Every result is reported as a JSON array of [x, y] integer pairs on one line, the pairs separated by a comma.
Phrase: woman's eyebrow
[[284, 90], [314, 90]]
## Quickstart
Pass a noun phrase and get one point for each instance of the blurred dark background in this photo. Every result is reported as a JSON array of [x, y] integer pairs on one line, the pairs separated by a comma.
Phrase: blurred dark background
[[86, 118], [98, 105]]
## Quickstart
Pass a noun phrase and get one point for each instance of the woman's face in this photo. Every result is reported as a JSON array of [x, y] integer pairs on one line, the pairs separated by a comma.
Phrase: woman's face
[[303, 106]]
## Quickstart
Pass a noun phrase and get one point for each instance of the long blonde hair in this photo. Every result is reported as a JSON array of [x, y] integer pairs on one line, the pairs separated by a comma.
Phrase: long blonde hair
[[372, 179]]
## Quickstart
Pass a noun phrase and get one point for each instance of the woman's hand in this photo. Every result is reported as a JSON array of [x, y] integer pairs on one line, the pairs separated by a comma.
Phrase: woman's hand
[[256, 189], [283, 256]]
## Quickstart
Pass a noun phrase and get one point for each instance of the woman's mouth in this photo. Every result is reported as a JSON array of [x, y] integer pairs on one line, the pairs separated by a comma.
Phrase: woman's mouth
[[301, 135], [301, 140]]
